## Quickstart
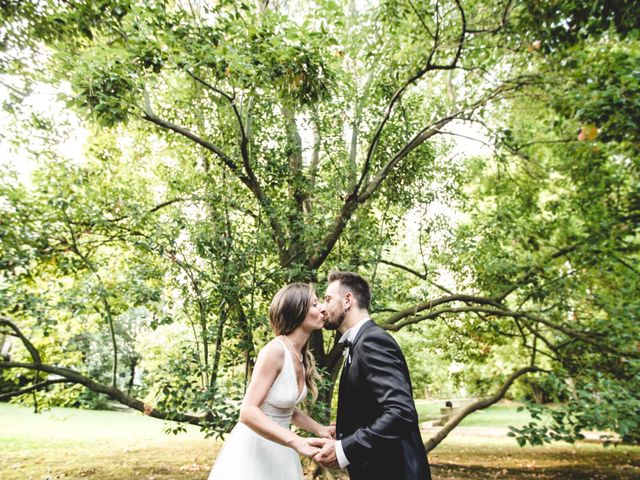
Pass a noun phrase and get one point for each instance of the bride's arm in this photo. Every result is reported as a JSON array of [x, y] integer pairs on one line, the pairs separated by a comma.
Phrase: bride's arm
[[268, 365], [304, 421]]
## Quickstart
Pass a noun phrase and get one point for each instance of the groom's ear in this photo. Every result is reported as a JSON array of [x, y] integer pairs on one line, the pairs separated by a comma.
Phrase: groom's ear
[[348, 297]]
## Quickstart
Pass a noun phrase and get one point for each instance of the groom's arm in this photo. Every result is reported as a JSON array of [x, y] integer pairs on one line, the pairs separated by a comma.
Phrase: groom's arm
[[385, 374]]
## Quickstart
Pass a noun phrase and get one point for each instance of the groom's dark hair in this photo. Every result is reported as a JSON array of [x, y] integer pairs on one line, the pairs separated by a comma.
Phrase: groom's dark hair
[[354, 283]]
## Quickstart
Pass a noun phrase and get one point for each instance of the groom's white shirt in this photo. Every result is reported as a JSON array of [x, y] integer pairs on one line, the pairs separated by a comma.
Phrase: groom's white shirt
[[348, 335]]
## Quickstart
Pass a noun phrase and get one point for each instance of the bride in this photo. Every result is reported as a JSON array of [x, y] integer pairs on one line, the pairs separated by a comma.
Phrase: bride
[[261, 446]]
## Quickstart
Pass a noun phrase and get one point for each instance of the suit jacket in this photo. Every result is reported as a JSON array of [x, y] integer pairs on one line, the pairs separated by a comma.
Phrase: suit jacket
[[377, 421]]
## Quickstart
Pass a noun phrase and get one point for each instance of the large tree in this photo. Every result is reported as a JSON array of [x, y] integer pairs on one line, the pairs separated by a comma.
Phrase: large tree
[[235, 147]]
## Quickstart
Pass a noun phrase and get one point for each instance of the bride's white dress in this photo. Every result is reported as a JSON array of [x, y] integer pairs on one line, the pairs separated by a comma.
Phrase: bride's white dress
[[248, 456]]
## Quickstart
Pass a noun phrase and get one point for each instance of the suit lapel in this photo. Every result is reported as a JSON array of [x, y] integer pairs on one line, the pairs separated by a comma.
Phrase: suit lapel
[[342, 399], [346, 365]]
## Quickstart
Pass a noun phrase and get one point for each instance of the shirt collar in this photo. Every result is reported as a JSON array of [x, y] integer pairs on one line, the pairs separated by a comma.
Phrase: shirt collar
[[353, 331]]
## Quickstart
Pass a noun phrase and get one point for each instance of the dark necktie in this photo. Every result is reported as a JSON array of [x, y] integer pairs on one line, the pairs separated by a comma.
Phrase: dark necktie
[[347, 345]]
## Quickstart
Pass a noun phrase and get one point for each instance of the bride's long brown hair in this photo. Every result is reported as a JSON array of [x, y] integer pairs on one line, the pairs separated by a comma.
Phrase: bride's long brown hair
[[288, 309]]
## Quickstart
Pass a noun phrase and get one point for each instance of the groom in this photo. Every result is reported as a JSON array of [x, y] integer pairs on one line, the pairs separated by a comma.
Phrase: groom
[[377, 424]]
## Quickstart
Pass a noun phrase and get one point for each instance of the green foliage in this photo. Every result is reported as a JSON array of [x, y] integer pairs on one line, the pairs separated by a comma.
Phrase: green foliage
[[561, 23], [600, 403], [105, 85], [561, 216], [175, 387]]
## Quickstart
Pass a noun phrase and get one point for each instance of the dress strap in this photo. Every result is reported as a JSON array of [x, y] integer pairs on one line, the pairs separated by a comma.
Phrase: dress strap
[[284, 346], [290, 353]]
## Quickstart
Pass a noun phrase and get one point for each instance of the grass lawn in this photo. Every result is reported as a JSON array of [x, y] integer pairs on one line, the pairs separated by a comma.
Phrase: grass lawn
[[500, 415], [74, 444]]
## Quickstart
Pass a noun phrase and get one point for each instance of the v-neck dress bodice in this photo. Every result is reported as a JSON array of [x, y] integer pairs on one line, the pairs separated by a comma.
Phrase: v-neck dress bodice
[[284, 394], [245, 454]]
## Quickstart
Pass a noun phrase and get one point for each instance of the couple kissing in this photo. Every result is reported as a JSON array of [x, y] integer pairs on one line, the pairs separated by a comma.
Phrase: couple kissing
[[376, 434]]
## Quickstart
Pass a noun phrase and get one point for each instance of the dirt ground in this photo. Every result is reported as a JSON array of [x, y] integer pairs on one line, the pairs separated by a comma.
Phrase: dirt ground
[[75, 445], [482, 454], [459, 458]]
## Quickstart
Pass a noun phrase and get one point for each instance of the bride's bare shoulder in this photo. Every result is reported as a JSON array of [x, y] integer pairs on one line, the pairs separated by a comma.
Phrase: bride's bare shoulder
[[272, 354]]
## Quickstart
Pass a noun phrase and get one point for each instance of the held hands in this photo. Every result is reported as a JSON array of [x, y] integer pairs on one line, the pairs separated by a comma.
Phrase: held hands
[[327, 456], [309, 447], [322, 450]]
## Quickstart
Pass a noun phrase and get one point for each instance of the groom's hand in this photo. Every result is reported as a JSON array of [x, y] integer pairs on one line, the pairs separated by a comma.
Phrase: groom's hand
[[327, 456], [309, 447], [317, 442]]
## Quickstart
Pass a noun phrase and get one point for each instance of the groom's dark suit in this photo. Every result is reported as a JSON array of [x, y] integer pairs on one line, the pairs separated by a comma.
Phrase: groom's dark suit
[[377, 422]]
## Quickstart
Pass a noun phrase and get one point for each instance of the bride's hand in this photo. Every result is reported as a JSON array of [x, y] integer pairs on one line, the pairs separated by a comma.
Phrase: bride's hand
[[328, 431], [309, 446]]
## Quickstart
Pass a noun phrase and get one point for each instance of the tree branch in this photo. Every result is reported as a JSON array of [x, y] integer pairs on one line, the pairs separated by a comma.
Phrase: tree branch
[[479, 405], [398, 94], [244, 141], [124, 217], [150, 117], [424, 24], [335, 230], [32, 388], [28, 345], [297, 183], [112, 392], [153, 118], [422, 276], [429, 132], [394, 321], [505, 16], [389, 109], [408, 317], [352, 200], [596, 342], [315, 156], [75, 247], [248, 179]]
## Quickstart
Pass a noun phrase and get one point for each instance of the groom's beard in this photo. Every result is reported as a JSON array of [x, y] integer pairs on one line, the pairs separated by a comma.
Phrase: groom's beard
[[334, 320]]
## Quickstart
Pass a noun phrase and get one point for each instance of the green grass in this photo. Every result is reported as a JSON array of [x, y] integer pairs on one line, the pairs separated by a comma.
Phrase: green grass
[[428, 409], [497, 416], [494, 416], [99, 424], [68, 444]]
